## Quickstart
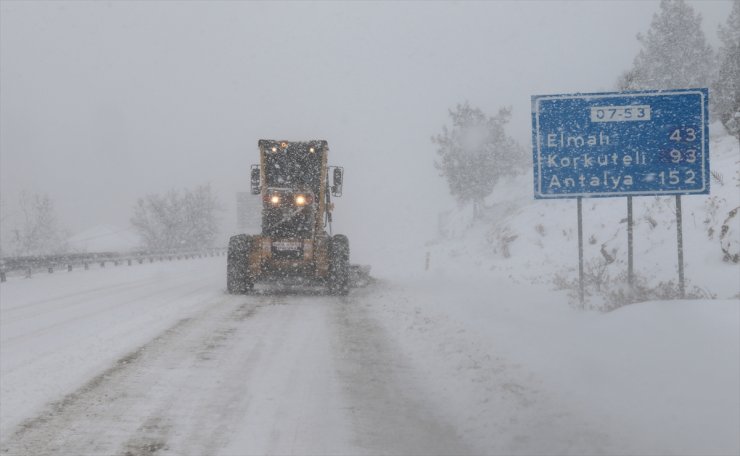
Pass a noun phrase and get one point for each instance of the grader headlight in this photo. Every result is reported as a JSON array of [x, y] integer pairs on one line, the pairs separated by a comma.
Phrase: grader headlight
[[302, 200], [275, 199]]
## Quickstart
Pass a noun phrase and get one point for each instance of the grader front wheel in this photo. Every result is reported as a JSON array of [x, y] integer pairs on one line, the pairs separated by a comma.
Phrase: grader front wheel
[[339, 265], [238, 280]]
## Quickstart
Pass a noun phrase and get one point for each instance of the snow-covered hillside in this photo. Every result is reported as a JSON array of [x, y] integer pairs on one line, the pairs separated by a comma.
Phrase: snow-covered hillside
[[535, 241], [104, 238]]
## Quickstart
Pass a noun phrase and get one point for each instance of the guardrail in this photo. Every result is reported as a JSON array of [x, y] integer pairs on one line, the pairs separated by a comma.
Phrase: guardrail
[[29, 265]]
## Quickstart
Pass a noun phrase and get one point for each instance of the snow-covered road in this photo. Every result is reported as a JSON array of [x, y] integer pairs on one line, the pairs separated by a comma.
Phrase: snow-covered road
[[158, 359]]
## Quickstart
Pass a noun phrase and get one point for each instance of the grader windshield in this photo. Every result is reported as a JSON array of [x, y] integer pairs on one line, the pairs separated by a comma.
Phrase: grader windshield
[[294, 165]]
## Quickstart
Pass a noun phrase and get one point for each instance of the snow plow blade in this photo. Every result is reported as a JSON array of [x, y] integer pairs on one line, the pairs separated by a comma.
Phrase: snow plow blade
[[359, 275]]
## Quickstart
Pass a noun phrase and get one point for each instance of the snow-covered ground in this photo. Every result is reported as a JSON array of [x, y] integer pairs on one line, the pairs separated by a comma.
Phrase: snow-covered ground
[[156, 358], [478, 353], [522, 372]]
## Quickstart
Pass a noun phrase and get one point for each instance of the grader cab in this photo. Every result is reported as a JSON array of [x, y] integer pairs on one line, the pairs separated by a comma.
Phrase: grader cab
[[294, 246]]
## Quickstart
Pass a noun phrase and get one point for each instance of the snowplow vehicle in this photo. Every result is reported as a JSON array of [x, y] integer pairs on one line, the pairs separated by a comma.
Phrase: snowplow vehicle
[[294, 246]]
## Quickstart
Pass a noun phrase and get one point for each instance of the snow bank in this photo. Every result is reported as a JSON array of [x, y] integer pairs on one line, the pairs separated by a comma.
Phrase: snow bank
[[104, 238], [524, 373]]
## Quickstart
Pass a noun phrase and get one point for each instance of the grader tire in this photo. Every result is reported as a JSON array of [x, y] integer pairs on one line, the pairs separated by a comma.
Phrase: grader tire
[[339, 271], [238, 280]]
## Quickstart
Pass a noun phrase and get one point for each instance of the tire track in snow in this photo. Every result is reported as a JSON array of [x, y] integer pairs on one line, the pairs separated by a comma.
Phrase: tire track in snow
[[389, 415]]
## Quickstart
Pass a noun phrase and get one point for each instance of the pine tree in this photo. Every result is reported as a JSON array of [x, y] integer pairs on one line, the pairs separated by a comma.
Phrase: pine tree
[[726, 89], [674, 52], [475, 153]]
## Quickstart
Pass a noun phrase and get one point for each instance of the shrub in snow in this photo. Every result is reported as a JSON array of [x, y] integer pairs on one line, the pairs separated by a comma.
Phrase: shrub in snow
[[604, 292], [723, 224], [503, 240], [729, 237], [713, 207]]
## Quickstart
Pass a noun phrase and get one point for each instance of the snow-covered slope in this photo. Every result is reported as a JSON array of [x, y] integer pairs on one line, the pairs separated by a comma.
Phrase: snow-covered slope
[[535, 241], [521, 372]]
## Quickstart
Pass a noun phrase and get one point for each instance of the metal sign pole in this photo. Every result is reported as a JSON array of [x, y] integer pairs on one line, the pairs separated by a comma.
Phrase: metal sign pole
[[630, 250], [580, 249], [679, 234]]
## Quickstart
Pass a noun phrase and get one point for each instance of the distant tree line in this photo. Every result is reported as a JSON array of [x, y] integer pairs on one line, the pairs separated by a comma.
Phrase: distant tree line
[[177, 220]]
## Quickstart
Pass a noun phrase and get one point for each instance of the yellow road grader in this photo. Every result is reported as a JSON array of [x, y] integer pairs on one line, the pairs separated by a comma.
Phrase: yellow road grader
[[293, 179]]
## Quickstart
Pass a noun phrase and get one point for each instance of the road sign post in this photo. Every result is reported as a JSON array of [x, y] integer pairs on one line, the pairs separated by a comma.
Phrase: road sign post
[[622, 144], [630, 247], [580, 251], [679, 243]]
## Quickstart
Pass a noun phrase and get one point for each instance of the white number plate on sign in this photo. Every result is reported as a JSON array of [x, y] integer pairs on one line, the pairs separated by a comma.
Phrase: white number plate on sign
[[620, 113]]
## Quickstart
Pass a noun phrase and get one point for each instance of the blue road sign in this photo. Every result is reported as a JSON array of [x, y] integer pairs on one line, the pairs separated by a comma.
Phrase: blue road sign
[[621, 144]]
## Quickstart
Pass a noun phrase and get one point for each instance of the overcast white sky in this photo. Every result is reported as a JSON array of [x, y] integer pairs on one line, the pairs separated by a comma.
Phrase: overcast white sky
[[102, 102]]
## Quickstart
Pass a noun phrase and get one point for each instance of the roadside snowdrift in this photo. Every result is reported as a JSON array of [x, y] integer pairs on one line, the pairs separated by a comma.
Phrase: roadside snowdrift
[[522, 372]]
